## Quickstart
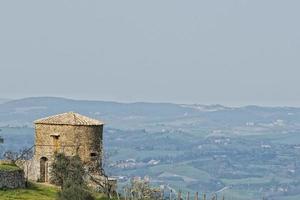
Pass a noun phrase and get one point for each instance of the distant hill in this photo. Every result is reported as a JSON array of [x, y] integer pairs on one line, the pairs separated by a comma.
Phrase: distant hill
[[133, 115], [24, 111], [3, 100]]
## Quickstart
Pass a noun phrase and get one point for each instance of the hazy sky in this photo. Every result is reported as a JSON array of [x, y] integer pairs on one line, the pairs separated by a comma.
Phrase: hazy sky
[[228, 52]]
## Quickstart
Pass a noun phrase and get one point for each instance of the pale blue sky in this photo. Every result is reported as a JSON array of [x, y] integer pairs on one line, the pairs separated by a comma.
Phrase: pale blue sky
[[228, 52]]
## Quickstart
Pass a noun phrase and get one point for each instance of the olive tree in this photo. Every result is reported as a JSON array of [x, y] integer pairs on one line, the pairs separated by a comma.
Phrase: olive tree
[[68, 172]]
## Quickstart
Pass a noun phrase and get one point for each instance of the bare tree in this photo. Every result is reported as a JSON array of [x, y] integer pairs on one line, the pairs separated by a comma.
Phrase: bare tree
[[22, 159], [140, 189], [10, 155], [104, 184]]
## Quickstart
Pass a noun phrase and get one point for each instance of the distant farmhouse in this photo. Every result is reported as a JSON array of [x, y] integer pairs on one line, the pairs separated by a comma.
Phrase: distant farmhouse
[[72, 134]]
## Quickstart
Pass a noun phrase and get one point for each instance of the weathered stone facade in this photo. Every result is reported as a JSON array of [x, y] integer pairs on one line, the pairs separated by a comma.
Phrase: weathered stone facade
[[68, 133]]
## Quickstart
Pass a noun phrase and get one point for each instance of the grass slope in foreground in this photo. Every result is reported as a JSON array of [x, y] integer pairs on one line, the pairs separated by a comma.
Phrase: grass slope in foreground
[[35, 191], [8, 167]]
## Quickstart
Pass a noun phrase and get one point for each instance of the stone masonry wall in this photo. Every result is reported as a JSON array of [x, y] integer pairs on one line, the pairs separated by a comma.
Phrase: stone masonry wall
[[12, 179], [30, 168]]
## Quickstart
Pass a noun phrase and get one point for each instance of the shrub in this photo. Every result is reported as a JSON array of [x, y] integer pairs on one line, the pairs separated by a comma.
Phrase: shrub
[[72, 191], [68, 172], [59, 169]]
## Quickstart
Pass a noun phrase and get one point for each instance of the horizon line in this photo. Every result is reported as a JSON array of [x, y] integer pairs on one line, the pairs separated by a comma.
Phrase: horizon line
[[146, 102]]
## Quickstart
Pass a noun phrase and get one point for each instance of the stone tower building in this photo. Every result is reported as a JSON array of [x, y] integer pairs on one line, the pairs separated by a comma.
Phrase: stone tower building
[[68, 133]]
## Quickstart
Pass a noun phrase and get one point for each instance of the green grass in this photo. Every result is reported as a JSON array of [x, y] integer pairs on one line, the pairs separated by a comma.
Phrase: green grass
[[8, 167], [36, 191]]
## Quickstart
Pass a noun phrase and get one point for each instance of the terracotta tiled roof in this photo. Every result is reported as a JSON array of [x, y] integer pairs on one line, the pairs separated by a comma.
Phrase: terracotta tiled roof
[[69, 118]]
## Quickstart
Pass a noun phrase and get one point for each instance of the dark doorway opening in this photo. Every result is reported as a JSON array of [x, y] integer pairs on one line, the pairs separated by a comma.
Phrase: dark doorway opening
[[44, 169]]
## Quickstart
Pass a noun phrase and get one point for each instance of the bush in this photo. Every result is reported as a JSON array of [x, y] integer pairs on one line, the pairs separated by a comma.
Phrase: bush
[[59, 169], [73, 191], [68, 172]]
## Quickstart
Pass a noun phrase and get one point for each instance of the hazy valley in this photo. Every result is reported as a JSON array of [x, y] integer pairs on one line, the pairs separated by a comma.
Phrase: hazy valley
[[245, 153]]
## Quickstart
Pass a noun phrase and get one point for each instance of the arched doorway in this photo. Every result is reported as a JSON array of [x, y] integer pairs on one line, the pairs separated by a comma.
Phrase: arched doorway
[[44, 169]]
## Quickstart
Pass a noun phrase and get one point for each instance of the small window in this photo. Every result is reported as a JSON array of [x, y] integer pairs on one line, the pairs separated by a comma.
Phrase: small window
[[93, 154]]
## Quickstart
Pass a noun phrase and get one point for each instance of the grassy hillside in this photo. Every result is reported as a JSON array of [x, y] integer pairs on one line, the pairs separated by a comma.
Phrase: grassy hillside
[[35, 191], [8, 167]]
